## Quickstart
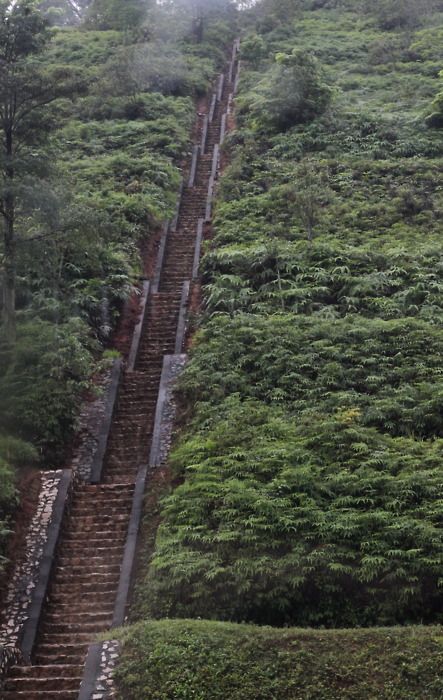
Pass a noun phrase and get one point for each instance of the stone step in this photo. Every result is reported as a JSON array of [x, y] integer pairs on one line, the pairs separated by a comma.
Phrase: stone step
[[62, 639], [109, 478], [43, 684], [47, 671], [40, 694], [93, 547], [52, 654], [77, 527], [73, 628], [75, 559], [83, 511], [96, 607], [105, 488], [85, 539], [68, 589], [82, 569], [85, 501], [68, 576], [111, 518]]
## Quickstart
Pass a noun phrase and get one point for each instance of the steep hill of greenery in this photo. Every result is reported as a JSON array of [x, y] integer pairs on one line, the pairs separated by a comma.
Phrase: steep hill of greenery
[[311, 463]]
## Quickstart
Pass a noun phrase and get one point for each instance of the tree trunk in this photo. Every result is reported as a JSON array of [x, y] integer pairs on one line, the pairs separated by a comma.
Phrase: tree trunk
[[282, 301], [310, 229], [198, 29], [9, 275]]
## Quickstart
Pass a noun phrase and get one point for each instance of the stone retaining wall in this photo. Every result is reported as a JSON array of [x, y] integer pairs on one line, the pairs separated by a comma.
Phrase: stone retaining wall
[[89, 425], [25, 574], [105, 686], [176, 367]]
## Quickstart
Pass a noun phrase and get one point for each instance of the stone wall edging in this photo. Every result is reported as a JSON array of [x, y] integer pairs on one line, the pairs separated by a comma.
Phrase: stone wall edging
[[204, 135], [30, 579], [111, 402], [177, 207], [212, 107], [182, 318], [24, 577], [28, 634], [192, 173], [89, 427], [136, 336], [197, 249]]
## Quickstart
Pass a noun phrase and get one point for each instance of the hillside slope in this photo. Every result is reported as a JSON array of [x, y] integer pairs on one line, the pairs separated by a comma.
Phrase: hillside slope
[[312, 457], [309, 464]]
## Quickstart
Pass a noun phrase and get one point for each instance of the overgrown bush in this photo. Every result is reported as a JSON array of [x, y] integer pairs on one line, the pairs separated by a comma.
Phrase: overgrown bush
[[42, 386], [317, 520], [113, 178], [15, 454], [116, 14], [399, 14], [293, 92], [435, 119]]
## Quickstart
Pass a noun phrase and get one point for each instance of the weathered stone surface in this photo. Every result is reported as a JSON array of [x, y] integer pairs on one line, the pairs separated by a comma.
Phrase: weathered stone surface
[[169, 408], [89, 424], [24, 577], [105, 687]]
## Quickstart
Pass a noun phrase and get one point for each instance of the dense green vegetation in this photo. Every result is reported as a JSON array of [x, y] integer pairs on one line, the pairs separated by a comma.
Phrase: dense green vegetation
[[266, 524], [311, 464], [199, 660], [309, 469], [93, 170]]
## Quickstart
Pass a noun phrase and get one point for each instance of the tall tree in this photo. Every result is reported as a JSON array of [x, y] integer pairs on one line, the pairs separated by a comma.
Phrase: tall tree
[[401, 14], [294, 92], [435, 119], [64, 12], [117, 14], [194, 14], [26, 88]]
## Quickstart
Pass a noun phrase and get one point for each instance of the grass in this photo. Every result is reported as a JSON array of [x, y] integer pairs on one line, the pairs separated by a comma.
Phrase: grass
[[201, 660]]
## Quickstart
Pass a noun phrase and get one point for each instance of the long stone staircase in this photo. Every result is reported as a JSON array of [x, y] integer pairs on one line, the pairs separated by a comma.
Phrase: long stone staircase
[[86, 571]]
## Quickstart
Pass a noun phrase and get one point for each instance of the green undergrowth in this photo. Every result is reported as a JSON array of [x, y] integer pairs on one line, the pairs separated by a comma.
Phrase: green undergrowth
[[198, 660], [308, 469]]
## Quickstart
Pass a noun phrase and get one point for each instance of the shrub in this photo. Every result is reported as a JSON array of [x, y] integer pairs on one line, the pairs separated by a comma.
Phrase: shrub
[[41, 388], [308, 475], [435, 119], [318, 521], [399, 14], [116, 14], [14, 454], [253, 49], [293, 92]]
